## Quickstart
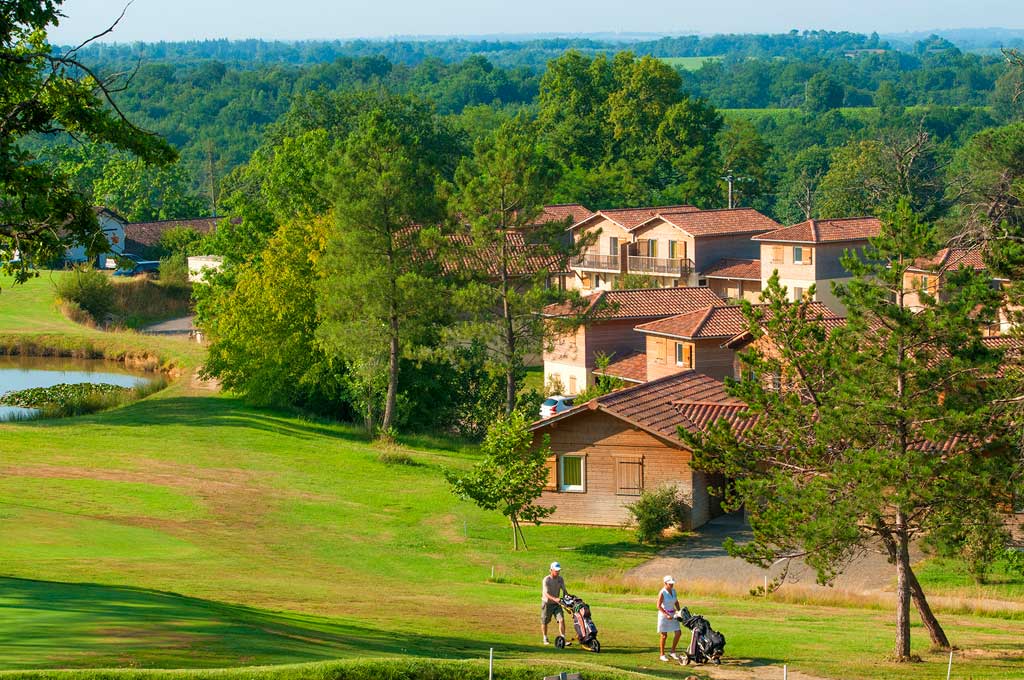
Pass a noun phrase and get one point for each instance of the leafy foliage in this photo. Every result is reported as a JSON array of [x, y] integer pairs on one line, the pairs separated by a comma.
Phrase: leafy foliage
[[511, 476], [90, 289], [656, 511]]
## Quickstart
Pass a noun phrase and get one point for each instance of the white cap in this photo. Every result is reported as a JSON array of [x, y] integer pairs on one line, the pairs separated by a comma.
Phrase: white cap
[[669, 580], [556, 566]]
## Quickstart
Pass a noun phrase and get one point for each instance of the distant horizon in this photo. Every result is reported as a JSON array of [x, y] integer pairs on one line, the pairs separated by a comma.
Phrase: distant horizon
[[324, 20]]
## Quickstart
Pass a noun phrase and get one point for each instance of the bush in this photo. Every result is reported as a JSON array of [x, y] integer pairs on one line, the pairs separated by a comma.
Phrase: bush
[[88, 288], [75, 399], [174, 270], [656, 511]]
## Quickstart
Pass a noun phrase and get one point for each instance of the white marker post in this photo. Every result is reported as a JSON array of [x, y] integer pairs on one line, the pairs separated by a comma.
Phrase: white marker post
[[785, 672], [766, 585], [949, 668], [490, 666]]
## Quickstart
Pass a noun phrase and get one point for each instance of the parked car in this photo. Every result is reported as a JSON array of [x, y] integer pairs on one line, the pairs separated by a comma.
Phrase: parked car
[[555, 404], [143, 267]]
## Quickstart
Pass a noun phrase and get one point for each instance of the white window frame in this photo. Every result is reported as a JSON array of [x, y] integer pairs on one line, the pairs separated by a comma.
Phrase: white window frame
[[572, 488], [798, 249]]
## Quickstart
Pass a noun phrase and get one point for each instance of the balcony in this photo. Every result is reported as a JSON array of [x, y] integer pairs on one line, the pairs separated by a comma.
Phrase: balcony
[[662, 266], [599, 263]]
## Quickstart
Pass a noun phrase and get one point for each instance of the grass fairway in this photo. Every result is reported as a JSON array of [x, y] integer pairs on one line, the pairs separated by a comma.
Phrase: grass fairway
[[688, 63], [188, 530]]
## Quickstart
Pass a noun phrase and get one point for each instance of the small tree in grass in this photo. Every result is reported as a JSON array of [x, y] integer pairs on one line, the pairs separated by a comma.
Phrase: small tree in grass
[[511, 476]]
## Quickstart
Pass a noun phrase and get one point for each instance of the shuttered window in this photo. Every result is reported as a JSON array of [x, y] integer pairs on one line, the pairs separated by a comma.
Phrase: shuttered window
[[552, 465], [572, 473], [684, 355], [673, 250], [613, 245], [777, 255], [629, 476], [652, 248]]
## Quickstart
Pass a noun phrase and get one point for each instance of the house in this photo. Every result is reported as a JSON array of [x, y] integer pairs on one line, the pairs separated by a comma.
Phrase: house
[[611, 449], [672, 244], [733, 278], [809, 254], [607, 329], [200, 265], [143, 238], [928, 274], [112, 228]]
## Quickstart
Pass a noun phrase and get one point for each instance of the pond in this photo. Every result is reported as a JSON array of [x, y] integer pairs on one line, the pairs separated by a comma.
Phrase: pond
[[19, 373]]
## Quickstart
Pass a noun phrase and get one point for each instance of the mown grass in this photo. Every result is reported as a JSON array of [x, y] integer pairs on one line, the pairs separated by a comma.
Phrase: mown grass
[[189, 530]]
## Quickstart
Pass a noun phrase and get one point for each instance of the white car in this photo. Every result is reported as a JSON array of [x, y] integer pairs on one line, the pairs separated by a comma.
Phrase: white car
[[555, 404]]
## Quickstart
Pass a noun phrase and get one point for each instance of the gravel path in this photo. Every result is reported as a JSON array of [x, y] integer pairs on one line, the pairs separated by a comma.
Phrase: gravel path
[[703, 559], [181, 326]]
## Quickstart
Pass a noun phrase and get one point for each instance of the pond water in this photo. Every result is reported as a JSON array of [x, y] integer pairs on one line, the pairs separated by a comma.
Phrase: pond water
[[19, 373]]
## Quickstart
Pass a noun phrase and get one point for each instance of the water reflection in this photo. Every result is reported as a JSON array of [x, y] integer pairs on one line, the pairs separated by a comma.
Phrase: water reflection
[[19, 373]]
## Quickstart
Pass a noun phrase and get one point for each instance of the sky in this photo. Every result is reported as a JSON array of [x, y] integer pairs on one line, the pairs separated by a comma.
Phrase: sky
[[152, 20]]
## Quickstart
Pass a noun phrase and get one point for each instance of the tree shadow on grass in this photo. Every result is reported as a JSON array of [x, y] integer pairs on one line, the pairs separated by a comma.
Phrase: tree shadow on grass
[[48, 624]]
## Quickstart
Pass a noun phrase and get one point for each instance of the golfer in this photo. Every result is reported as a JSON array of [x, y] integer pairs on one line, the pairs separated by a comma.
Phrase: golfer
[[551, 592], [668, 605]]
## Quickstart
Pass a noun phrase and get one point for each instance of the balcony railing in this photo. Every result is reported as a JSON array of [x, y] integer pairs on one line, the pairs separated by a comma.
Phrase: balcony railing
[[660, 265], [608, 263]]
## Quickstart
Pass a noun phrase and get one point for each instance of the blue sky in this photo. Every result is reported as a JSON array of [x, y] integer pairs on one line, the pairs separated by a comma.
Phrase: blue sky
[[323, 19]]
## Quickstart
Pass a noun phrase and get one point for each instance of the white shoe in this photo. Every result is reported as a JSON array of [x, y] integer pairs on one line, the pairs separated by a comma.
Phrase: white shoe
[[663, 658], [674, 656], [546, 641]]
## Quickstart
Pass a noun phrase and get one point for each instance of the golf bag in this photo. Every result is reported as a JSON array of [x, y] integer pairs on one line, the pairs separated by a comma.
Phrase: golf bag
[[586, 631], [706, 644]]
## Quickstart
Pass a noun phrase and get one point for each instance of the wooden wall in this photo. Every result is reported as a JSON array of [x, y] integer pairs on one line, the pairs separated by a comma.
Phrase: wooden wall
[[605, 440]]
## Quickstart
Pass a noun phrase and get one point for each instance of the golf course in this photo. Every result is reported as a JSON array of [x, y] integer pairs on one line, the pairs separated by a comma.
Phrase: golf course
[[191, 531]]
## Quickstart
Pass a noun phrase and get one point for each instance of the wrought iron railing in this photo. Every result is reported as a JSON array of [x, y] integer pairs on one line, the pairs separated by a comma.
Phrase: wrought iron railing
[[675, 266], [602, 262]]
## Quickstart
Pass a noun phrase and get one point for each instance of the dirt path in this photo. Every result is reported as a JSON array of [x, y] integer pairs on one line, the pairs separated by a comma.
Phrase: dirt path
[[181, 326], [703, 559]]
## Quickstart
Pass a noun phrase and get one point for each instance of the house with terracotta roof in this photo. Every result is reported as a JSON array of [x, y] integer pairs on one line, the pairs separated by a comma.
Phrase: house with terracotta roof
[[673, 244], [733, 278], [143, 238], [607, 322], [112, 230], [611, 449], [809, 254]]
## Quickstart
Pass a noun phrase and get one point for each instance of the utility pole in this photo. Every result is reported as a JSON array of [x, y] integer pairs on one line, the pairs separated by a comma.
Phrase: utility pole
[[730, 179], [211, 174]]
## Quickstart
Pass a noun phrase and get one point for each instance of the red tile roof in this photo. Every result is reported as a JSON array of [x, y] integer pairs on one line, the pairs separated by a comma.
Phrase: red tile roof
[[147, 234], [631, 368], [574, 212], [951, 258], [734, 268], [639, 303], [725, 222], [717, 321], [525, 259], [629, 218], [827, 231]]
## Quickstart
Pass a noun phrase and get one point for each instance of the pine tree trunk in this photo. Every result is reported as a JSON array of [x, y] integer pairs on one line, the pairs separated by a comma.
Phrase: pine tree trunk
[[901, 652], [392, 396], [931, 624]]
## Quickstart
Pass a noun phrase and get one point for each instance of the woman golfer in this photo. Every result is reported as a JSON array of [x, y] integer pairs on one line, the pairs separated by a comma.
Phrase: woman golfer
[[668, 605]]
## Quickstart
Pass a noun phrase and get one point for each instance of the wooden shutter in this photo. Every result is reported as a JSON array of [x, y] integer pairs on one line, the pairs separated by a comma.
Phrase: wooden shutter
[[652, 248], [629, 476], [673, 250], [660, 350], [688, 355], [808, 255], [552, 465], [777, 256]]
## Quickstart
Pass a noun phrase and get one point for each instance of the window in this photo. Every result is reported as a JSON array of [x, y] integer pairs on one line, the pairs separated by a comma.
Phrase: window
[[798, 293], [613, 246], [702, 283], [629, 476], [684, 355], [675, 283], [652, 248], [777, 255], [673, 250], [798, 255], [573, 473], [572, 384]]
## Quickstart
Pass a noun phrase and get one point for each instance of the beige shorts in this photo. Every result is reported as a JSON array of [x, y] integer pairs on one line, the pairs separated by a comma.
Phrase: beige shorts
[[549, 609]]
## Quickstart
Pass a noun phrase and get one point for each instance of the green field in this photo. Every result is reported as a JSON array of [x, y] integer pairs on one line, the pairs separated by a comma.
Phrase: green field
[[688, 63], [189, 530]]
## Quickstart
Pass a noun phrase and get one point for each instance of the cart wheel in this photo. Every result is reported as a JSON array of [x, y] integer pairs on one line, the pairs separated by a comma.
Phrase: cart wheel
[[684, 659], [595, 646], [560, 642], [718, 662]]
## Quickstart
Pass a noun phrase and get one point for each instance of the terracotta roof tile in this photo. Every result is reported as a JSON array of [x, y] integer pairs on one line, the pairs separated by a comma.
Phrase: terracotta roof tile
[[632, 368], [630, 218], [526, 259], [951, 258], [717, 321], [826, 231], [725, 222], [734, 268], [639, 303], [574, 212]]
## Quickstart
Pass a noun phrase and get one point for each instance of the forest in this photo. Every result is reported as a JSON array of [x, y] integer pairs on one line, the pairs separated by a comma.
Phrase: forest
[[782, 100]]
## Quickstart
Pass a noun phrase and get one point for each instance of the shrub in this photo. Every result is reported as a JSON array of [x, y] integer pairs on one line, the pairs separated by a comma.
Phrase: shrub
[[655, 511], [88, 288], [396, 458], [174, 270], [75, 399]]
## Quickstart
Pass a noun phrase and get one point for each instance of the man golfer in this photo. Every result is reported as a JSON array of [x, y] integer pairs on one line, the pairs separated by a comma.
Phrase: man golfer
[[550, 594]]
